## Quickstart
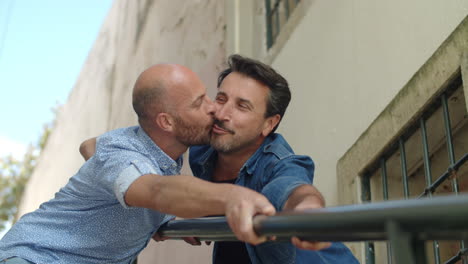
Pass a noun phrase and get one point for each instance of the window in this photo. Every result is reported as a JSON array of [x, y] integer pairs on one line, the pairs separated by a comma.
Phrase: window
[[416, 147], [277, 14], [429, 158]]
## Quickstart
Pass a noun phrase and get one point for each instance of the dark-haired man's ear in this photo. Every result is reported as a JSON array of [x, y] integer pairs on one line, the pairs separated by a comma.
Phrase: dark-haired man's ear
[[270, 124]]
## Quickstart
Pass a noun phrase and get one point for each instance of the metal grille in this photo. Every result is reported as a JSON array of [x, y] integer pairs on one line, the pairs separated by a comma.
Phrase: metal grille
[[407, 167], [277, 14]]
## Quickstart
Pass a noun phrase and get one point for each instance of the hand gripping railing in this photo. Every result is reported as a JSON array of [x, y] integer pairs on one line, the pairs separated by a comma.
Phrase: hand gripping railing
[[405, 223]]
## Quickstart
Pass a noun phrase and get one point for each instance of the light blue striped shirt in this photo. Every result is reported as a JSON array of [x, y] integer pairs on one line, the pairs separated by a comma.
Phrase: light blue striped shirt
[[88, 220]]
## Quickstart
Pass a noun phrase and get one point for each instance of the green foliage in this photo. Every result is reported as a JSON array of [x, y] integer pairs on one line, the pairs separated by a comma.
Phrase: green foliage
[[14, 174]]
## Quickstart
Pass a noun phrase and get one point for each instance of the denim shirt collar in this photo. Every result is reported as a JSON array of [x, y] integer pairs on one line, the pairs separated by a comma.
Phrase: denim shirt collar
[[167, 164], [205, 162], [251, 164], [208, 158]]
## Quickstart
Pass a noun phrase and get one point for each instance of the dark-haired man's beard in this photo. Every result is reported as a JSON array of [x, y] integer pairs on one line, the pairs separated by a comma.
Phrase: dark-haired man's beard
[[190, 135], [231, 142]]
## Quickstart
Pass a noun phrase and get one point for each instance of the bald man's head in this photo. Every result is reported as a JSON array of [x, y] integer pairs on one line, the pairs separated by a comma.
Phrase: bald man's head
[[172, 99], [150, 93]]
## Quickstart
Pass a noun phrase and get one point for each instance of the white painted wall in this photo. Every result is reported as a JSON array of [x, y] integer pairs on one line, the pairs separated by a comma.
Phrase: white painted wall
[[345, 61]]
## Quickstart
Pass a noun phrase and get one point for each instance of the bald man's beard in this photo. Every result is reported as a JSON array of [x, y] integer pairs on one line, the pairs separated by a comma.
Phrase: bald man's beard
[[190, 135]]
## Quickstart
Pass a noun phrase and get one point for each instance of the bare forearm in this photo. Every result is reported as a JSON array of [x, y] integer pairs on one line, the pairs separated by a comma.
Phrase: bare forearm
[[187, 196], [183, 196], [304, 197]]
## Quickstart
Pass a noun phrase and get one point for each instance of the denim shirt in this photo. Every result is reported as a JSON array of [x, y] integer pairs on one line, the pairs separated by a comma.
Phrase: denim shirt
[[88, 220], [275, 171]]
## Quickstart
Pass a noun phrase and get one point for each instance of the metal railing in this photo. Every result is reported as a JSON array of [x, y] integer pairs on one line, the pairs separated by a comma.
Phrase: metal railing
[[406, 224]]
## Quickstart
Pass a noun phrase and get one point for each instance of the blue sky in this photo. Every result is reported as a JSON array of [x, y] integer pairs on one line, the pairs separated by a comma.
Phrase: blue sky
[[43, 45]]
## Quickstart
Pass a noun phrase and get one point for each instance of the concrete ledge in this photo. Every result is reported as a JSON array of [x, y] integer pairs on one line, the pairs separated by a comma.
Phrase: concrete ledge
[[426, 84], [464, 73]]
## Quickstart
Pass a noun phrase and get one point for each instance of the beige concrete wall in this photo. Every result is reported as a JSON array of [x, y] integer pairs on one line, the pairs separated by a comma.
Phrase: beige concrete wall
[[345, 60], [135, 35]]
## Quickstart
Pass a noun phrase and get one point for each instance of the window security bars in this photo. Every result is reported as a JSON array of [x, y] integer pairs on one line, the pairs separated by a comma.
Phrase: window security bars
[[277, 14], [415, 176]]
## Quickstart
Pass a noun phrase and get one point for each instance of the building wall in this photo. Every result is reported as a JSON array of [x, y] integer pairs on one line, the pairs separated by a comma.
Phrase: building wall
[[135, 35], [345, 61]]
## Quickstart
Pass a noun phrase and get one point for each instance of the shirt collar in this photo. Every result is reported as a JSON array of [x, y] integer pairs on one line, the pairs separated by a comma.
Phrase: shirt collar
[[165, 162], [252, 162], [209, 156]]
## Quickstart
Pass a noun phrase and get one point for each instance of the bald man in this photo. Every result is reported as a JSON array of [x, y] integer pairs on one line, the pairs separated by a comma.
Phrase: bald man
[[115, 203]]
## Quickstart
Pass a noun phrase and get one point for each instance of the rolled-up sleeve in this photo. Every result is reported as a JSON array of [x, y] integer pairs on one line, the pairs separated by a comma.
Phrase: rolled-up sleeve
[[128, 176], [120, 166], [287, 174], [280, 179]]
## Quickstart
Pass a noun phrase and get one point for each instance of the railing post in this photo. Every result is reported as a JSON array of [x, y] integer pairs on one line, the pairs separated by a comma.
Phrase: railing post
[[405, 249], [420, 251]]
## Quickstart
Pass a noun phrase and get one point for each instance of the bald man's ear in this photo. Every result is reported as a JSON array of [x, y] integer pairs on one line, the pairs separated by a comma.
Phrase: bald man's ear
[[165, 122], [270, 123]]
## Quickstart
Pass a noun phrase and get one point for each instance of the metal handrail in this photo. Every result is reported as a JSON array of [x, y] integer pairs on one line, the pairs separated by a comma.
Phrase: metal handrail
[[437, 218]]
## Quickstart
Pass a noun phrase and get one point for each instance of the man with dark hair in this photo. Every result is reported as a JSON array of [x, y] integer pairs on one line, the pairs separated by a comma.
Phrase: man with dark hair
[[116, 202], [251, 101], [280, 95]]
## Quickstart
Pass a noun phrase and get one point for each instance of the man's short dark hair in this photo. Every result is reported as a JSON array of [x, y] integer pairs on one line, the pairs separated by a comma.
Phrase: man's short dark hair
[[279, 95]]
